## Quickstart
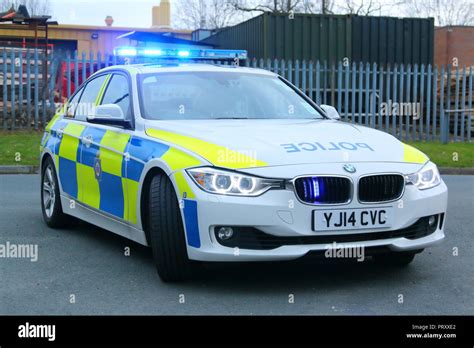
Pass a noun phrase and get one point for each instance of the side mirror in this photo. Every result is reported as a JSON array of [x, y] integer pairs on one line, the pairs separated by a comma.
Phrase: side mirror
[[109, 114], [331, 112]]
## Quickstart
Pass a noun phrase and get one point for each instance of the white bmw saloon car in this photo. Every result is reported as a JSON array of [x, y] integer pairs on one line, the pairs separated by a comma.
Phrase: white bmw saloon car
[[208, 163]]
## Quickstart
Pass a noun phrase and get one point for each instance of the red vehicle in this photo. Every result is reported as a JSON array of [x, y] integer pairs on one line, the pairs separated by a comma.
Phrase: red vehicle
[[66, 76]]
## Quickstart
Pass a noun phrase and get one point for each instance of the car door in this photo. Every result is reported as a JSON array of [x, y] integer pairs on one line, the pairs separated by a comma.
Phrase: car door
[[103, 160], [67, 149]]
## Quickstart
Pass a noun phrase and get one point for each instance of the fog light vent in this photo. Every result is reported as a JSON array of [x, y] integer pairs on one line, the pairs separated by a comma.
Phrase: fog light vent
[[225, 233], [433, 223]]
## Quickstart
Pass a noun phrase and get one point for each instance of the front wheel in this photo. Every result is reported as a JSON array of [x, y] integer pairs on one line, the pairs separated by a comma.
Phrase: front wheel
[[166, 232], [50, 197]]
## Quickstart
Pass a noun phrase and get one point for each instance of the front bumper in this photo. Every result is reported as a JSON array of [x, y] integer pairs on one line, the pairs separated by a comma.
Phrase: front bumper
[[279, 213]]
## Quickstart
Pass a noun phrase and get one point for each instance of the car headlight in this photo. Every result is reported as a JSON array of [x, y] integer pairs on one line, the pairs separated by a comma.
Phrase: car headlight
[[231, 183], [427, 177]]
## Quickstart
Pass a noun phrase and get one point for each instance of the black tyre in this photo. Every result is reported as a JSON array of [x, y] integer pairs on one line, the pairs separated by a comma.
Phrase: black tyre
[[396, 259], [50, 197], [166, 232]]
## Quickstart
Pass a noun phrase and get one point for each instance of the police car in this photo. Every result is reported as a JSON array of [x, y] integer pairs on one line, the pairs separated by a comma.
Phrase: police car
[[212, 163]]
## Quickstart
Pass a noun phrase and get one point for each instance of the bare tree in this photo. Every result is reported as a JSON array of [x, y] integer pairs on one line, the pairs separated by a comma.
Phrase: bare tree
[[224, 14], [206, 14], [273, 6], [35, 7], [284, 6], [213, 14], [360, 7], [445, 12], [317, 6]]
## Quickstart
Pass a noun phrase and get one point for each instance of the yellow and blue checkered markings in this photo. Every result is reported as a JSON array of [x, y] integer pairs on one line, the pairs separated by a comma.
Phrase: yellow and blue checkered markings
[[93, 174], [100, 171], [89, 186], [68, 155], [191, 223], [105, 174], [142, 151], [47, 142], [210, 151], [413, 155]]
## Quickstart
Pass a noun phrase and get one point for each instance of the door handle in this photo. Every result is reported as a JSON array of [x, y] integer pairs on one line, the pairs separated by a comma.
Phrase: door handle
[[88, 140]]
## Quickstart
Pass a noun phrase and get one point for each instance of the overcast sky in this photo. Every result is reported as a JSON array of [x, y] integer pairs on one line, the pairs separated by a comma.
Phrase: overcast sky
[[126, 13], [135, 13]]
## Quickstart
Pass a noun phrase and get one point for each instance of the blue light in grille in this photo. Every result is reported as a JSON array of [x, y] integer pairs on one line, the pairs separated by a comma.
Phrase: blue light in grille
[[313, 189], [305, 190]]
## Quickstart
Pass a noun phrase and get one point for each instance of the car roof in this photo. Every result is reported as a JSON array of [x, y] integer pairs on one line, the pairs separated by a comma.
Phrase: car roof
[[186, 67]]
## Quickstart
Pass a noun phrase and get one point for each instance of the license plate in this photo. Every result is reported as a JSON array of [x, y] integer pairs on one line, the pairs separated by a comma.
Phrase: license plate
[[352, 219]]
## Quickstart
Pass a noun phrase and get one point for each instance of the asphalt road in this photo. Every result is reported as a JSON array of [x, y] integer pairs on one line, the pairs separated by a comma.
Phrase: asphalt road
[[90, 264]]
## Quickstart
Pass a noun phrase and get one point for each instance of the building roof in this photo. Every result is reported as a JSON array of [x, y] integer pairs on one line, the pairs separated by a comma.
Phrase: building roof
[[16, 17], [455, 26], [126, 29], [145, 36]]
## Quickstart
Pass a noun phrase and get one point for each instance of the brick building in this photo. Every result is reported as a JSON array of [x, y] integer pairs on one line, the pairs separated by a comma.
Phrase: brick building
[[454, 42], [86, 38]]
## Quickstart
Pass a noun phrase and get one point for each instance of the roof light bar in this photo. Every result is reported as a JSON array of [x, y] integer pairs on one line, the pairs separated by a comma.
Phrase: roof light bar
[[180, 53], [126, 52], [152, 52], [183, 54]]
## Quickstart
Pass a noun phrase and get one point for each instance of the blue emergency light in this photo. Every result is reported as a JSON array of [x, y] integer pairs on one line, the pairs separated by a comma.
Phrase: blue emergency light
[[180, 53]]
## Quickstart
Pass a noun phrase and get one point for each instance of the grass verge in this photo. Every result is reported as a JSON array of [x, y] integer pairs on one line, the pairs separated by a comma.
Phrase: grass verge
[[22, 148], [454, 155]]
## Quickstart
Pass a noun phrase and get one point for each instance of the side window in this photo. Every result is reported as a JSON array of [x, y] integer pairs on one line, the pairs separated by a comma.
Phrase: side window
[[88, 98], [72, 104], [118, 92]]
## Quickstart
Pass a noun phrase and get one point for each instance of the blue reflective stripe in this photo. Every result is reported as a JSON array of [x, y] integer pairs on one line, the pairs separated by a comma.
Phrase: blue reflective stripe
[[134, 170], [191, 222], [50, 144], [68, 176], [43, 139], [89, 156], [111, 194], [59, 124], [143, 150], [56, 145]]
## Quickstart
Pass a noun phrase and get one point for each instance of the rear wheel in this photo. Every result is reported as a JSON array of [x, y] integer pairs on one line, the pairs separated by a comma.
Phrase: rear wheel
[[396, 259], [166, 231], [50, 197]]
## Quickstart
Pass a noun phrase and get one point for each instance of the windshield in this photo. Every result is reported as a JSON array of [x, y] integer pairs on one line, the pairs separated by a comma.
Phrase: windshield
[[220, 95]]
